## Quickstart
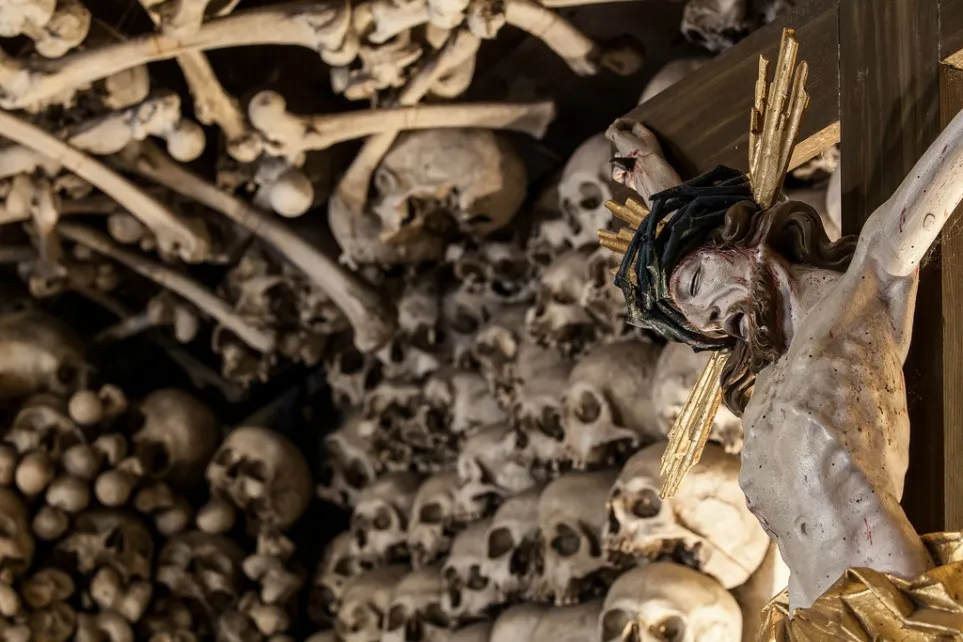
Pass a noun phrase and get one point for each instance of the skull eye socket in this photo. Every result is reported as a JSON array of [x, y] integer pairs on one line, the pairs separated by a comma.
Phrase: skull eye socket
[[500, 542], [153, 455], [397, 617], [67, 375], [590, 196], [431, 514], [476, 581], [551, 424], [588, 409], [671, 629], [436, 616], [647, 505], [614, 624], [351, 362], [382, 520], [567, 541], [343, 567]]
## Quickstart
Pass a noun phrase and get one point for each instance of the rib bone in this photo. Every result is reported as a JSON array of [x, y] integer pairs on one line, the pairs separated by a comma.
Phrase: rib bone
[[305, 23]]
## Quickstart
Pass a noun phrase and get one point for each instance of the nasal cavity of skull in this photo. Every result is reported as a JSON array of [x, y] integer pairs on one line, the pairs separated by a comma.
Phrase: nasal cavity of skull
[[476, 581], [500, 543], [382, 520]]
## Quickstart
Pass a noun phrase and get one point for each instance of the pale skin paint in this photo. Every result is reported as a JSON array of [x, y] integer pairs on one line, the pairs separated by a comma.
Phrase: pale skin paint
[[826, 431]]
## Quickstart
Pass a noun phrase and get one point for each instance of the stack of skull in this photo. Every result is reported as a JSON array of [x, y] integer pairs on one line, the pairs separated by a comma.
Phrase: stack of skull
[[501, 459], [118, 517]]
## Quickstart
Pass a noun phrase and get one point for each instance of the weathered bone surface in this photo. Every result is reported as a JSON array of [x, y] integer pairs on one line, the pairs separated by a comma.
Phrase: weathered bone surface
[[491, 467], [365, 603], [539, 378], [336, 568], [381, 516], [468, 592], [39, 353], [585, 187], [574, 623], [517, 623], [432, 522], [513, 539], [663, 601], [415, 614], [706, 525]]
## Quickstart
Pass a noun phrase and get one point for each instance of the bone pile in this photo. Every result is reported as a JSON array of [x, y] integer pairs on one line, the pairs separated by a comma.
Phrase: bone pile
[[133, 519], [500, 456]]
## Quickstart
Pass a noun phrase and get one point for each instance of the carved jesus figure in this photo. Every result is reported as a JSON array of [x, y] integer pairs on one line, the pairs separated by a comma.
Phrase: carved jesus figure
[[819, 333]]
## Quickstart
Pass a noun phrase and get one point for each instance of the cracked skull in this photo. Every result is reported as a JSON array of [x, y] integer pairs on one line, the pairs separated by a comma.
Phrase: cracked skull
[[430, 528], [415, 614], [572, 564], [263, 474], [512, 543], [607, 411], [665, 602], [678, 370], [706, 525], [468, 592], [448, 180], [380, 519]]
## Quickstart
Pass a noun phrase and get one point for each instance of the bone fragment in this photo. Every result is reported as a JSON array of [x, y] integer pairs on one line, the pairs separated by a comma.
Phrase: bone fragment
[[66, 28]]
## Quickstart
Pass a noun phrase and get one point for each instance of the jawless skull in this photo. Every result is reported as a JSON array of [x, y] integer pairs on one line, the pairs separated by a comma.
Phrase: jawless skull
[[202, 568], [469, 593], [463, 399], [39, 354], [585, 187], [496, 350], [607, 411], [665, 602], [350, 461], [380, 518], [365, 603], [430, 528], [415, 614], [264, 474], [113, 539], [178, 437], [571, 562], [540, 377], [513, 538], [415, 349], [558, 319], [444, 181], [676, 374], [706, 525]]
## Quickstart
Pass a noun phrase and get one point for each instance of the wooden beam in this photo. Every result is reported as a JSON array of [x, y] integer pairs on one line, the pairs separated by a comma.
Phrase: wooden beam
[[703, 120], [951, 103], [889, 76]]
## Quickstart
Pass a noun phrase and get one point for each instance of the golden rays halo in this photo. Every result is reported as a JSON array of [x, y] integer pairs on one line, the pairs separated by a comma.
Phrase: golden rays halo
[[774, 123]]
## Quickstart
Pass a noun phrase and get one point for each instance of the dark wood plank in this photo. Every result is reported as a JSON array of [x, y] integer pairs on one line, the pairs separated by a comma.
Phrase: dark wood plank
[[704, 119], [889, 75], [951, 103], [951, 27]]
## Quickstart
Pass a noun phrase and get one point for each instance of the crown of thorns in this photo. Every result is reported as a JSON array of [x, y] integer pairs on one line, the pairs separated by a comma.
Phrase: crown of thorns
[[681, 218]]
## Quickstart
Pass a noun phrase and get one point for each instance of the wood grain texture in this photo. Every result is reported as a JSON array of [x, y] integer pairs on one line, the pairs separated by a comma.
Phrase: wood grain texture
[[703, 120], [889, 78], [951, 103]]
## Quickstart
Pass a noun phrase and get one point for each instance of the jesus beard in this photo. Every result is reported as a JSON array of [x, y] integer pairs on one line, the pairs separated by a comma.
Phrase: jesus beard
[[765, 340]]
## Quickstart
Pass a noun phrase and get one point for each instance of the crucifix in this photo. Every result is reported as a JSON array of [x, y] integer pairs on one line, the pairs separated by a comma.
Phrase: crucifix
[[884, 79]]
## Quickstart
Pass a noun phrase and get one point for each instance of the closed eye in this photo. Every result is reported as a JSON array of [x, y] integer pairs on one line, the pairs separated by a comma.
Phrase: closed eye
[[694, 283]]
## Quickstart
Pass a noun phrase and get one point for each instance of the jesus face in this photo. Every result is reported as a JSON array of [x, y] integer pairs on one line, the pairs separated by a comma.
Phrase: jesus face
[[731, 293]]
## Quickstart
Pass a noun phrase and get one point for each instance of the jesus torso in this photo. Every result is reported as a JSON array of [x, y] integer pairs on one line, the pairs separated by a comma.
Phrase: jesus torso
[[827, 439]]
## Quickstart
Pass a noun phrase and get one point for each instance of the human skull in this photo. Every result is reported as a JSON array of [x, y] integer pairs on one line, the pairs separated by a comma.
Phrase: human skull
[[600, 298], [512, 543], [351, 462], [663, 602], [558, 319], [496, 350], [468, 592], [497, 271], [43, 423], [585, 187], [112, 539], [202, 568], [263, 474], [575, 623], [716, 24], [380, 518], [671, 73], [338, 565], [676, 374], [16, 540], [462, 397], [415, 614], [607, 410], [540, 379], [491, 466], [414, 350], [517, 623], [178, 437], [572, 564], [430, 527], [441, 180], [464, 314], [351, 374], [706, 525], [365, 604], [38, 353]]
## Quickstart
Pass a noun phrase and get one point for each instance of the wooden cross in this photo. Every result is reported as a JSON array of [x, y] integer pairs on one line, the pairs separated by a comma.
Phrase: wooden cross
[[885, 76]]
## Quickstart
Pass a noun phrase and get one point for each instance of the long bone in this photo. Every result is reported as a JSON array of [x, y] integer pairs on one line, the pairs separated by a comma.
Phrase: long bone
[[212, 104], [305, 23], [174, 234], [167, 278], [290, 135], [372, 321]]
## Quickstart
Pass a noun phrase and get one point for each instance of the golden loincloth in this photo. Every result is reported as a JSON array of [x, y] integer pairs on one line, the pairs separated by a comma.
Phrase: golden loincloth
[[867, 606]]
